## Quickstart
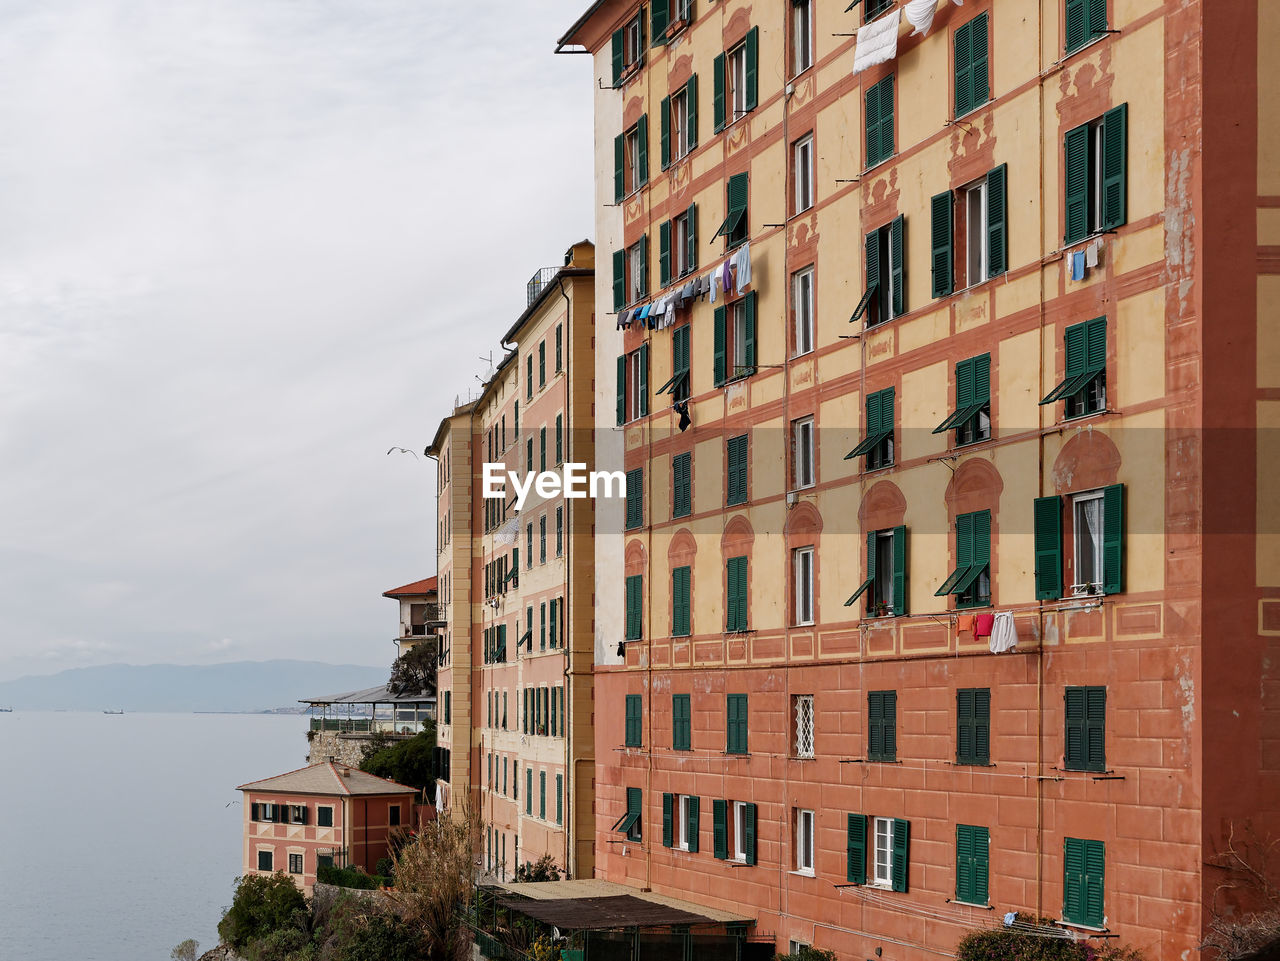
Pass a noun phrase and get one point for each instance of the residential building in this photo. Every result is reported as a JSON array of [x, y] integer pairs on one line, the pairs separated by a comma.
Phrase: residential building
[[323, 814], [420, 617], [959, 380], [528, 676]]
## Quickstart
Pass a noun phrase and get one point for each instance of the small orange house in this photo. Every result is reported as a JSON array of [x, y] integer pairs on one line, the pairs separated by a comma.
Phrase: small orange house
[[326, 813]]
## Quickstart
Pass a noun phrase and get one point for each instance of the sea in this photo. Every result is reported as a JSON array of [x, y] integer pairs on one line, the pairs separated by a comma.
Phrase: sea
[[120, 834]]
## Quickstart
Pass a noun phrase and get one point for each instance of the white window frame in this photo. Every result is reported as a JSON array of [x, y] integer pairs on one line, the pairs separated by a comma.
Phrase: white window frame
[[802, 301], [804, 841], [801, 36], [1095, 176], [633, 386], [739, 344], [679, 124], [683, 10], [977, 267], [882, 852], [803, 468], [301, 863], [635, 276], [631, 153], [738, 81], [795, 947], [803, 719], [682, 811], [802, 578], [802, 163], [1080, 528], [740, 831], [882, 586], [680, 265], [633, 41]]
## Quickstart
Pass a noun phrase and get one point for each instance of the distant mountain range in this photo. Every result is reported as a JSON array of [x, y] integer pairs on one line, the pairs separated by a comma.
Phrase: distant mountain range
[[240, 686]]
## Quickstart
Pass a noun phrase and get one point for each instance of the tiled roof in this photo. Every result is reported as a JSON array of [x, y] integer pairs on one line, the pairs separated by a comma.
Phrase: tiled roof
[[427, 586], [328, 779]]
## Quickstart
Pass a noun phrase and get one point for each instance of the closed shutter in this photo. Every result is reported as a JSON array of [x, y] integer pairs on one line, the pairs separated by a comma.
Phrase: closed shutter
[[749, 346], [542, 795], [658, 22], [619, 289], [1073, 856], [900, 571], [682, 504], [749, 816], [901, 853], [875, 725], [617, 56], [559, 799], [632, 735], [680, 602], [1115, 163], [691, 98], [737, 600], [1095, 728], [668, 823], [1076, 177], [753, 66], [665, 127], [718, 99], [720, 829], [664, 253], [559, 438], [972, 865], [737, 486], [941, 236], [644, 380], [718, 357], [898, 264], [890, 724], [634, 589], [692, 825], [856, 850], [528, 792], [1113, 539], [1075, 740], [997, 221], [1048, 547], [619, 163], [642, 134], [1094, 869], [1077, 23], [253, 812]]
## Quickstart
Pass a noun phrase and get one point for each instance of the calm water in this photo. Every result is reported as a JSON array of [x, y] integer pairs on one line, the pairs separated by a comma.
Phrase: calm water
[[120, 834]]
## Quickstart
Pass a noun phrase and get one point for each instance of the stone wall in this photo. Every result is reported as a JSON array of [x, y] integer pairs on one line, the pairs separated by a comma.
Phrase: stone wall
[[347, 748]]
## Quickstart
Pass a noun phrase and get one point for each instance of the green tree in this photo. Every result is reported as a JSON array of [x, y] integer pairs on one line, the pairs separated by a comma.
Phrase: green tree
[[406, 762], [263, 904], [414, 671]]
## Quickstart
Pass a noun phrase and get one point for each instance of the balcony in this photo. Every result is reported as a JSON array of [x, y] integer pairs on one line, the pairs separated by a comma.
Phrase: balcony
[[538, 282]]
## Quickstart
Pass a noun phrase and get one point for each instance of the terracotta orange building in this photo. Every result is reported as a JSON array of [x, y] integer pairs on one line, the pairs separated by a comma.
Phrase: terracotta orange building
[[943, 356], [323, 814]]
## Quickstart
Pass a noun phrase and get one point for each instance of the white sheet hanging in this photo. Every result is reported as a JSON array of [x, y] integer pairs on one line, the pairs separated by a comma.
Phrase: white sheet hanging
[[877, 42]]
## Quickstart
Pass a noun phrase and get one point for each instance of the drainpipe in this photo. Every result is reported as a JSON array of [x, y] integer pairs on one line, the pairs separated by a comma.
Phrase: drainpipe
[[566, 649], [1040, 476]]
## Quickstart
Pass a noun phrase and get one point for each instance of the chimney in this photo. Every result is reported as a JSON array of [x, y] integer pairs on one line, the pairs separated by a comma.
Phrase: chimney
[[346, 771]]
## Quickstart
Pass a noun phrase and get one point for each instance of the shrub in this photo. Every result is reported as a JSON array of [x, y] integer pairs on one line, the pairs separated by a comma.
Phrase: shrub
[[262, 904], [807, 954], [405, 762], [379, 937], [544, 869], [351, 877], [385, 867], [1007, 944], [186, 951]]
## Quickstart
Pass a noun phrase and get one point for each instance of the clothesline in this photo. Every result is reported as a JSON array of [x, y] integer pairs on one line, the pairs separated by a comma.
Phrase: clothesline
[[733, 274]]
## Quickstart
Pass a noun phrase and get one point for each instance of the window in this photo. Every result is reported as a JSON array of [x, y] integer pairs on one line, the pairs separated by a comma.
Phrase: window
[[973, 725], [885, 295], [559, 799], [324, 817], [634, 721], [973, 846], [295, 863], [542, 539], [877, 446], [801, 36], [528, 540], [1086, 20], [892, 842], [681, 723], [679, 382], [804, 841], [1096, 174], [971, 418], [542, 365], [559, 438], [1085, 709], [1084, 384], [736, 594], [629, 823], [1083, 867], [735, 340], [736, 80], [802, 304], [635, 498], [970, 582], [736, 488], [802, 452], [1098, 533], [635, 598], [981, 234], [631, 160], [633, 385], [668, 17], [681, 606], [1087, 512], [802, 170], [297, 814], [559, 367], [972, 85], [882, 725], [638, 270], [879, 121], [886, 573], [736, 724], [682, 484], [876, 7], [744, 832], [680, 123], [735, 228], [628, 47], [689, 823], [678, 246], [265, 861], [324, 860], [802, 712], [802, 579], [560, 531]]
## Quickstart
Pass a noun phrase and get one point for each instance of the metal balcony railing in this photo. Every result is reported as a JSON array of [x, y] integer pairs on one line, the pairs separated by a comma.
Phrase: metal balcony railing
[[538, 282]]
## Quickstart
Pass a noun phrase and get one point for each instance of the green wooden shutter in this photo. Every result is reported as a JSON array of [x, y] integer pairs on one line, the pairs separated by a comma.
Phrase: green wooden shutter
[[666, 132], [901, 853], [668, 822], [658, 22], [680, 602], [1113, 539], [664, 253], [1083, 868], [1095, 340], [691, 245], [634, 721], [898, 256], [890, 725], [1097, 17], [964, 864], [749, 348], [720, 829], [856, 850], [644, 380], [997, 221], [642, 134], [542, 795], [873, 260], [979, 81], [528, 790], [749, 833], [1048, 548], [1075, 739], [885, 137], [1076, 349], [559, 799], [619, 288], [1115, 164], [941, 244], [900, 571], [964, 383], [559, 438], [553, 634], [873, 413], [982, 725], [691, 98], [964, 68], [964, 726], [718, 358], [1094, 869], [1077, 23], [644, 266], [718, 100], [1076, 175], [619, 163], [617, 56], [871, 548], [692, 824], [1095, 728], [871, 123], [753, 66]]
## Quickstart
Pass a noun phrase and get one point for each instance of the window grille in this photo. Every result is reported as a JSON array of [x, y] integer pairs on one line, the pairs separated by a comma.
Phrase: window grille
[[803, 704]]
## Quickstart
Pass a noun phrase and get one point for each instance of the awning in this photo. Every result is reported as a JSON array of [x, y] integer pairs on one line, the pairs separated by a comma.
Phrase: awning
[[731, 222], [370, 695], [868, 445], [959, 417], [595, 905], [862, 304], [1073, 384], [961, 580], [859, 592]]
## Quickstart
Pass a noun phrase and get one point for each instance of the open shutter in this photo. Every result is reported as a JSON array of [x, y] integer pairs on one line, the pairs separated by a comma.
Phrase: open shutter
[[1077, 23], [622, 396], [941, 236], [718, 358], [898, 265], [979, 83], [658, 22], [664, 253], [644, 266], [749, 345], [619, 161], [997, 220], [871, 122], [693, 825], [668, 824], [964, 68], [1115, 163], [749, 816], [873, 260], [753, 66], [617, 57], [900, 571], [901, 853], [619, 286], [720, 829], [691, 98], [1048, 537], [642, 134], [856, 850], [718, 100], [871, 547], [253, 812], [1077, 184], [691, 249], [885, 138], [666, 132], [1113, 539]]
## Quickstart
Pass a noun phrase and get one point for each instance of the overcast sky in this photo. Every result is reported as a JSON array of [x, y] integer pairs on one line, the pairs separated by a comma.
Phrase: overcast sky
[[246, 246]]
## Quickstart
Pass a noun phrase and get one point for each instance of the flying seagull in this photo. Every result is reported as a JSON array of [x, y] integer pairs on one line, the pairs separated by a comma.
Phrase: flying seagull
[[403, 451]]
